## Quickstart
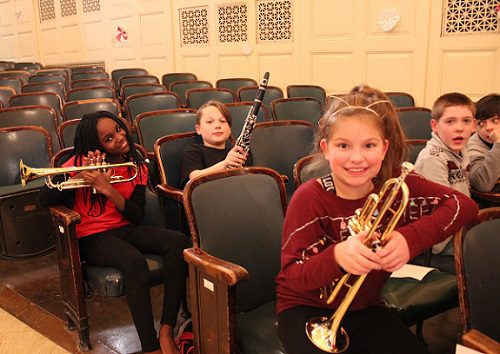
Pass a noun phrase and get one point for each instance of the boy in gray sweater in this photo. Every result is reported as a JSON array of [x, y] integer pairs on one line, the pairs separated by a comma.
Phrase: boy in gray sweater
[[484, 146], [445, 159]]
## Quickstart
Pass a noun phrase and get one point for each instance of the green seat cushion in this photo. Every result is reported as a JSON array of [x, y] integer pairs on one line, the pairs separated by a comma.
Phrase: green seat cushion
[[414, 301], [258, 331], [108, 281]]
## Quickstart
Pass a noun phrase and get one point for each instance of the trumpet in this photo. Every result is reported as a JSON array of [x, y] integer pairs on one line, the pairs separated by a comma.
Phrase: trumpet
[[326, 332], [28, 174]]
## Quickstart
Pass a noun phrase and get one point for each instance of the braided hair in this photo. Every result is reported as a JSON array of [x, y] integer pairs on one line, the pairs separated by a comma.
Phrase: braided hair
[[87, 139]]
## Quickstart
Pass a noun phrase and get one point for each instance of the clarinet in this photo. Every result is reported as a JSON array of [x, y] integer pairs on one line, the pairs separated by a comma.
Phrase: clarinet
[[244, 138]]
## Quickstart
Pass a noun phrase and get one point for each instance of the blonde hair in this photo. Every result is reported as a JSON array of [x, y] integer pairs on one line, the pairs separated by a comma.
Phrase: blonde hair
[[376, 105]]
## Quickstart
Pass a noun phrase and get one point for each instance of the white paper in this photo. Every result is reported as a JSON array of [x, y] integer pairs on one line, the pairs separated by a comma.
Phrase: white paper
[[412, 271], [464, 350]]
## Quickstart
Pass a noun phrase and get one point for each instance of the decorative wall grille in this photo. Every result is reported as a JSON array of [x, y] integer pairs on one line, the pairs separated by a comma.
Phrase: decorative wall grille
[[194, 25], [47, 10], [274, 21], [470, 16], [68, 8], [91, 5], [233, 23]]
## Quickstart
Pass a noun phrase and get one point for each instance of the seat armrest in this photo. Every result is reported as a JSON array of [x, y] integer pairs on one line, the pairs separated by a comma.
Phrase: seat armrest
[[226, 272], [169, 192], [481, 342], [65, 215]]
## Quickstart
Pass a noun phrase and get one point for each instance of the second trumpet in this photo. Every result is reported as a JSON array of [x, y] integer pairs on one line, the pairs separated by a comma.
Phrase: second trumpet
[[29, 173]]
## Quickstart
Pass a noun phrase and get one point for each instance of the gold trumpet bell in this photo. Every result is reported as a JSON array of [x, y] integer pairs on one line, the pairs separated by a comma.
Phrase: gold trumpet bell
[[319, 331], [24, 173]]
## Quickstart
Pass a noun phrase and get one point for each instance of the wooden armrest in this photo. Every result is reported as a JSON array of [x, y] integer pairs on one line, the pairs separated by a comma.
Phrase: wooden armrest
[[224, 271], [488, 196], [285, 178], [481, 342], [65, 215], [169, 192]]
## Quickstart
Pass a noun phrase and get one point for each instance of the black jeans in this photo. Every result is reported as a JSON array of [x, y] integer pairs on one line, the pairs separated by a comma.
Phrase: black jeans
[[123, 248], [372, 330]]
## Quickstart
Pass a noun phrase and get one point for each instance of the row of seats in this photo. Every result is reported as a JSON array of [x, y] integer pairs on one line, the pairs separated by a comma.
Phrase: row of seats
[[146, 108], [121, 77]]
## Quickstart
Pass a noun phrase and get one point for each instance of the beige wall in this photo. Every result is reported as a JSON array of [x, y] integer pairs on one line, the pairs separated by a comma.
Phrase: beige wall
[[334, 43]]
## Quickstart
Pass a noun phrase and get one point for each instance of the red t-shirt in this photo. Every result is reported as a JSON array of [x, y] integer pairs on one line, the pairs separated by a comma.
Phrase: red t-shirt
[[110, 217]]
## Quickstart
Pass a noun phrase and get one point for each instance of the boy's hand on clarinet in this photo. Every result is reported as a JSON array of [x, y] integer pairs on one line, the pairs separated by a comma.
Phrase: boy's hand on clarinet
[[354, 257], [395, 253], [235, 158]]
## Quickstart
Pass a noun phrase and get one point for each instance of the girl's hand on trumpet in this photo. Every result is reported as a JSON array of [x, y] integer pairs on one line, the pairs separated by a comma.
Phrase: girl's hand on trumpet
[[395, 253], [354, 257], [94, 158], [100, 180]]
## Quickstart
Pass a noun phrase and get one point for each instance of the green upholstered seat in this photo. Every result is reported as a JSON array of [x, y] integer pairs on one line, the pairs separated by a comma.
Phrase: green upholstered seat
[[415, 122], [237, 256], [414, 301], [258, 330], [307, 109], [108, 281]]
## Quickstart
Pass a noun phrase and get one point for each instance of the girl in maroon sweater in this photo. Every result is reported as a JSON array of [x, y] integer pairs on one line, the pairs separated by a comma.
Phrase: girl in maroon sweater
[[362, 139]]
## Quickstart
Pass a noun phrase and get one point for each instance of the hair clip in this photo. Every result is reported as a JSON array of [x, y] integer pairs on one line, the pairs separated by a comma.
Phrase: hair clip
[[362, 107]]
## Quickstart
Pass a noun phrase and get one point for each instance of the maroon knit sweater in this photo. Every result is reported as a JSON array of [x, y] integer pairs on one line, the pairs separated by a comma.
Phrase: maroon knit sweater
[[316, 220]]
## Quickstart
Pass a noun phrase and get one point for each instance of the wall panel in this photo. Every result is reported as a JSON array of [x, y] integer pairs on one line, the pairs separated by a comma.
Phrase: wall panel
[[92, 31], [381, 69], [479, 79], [156, 66], [151, 29], [27, 45], [6, 14], [198, 65], [51, 41], [332, 24], [10, 47], [280, 67], [333, 43], [233, 66], [392, 9], [464, 62], [333, 71], [71, 39]]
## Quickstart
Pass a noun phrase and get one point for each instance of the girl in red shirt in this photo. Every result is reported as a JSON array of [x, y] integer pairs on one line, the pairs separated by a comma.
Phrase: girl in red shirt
[[109, 233]]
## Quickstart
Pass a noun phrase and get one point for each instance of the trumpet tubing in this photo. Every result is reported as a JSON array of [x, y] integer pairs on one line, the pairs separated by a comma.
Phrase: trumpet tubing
[[28, 174], [326, 332]]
